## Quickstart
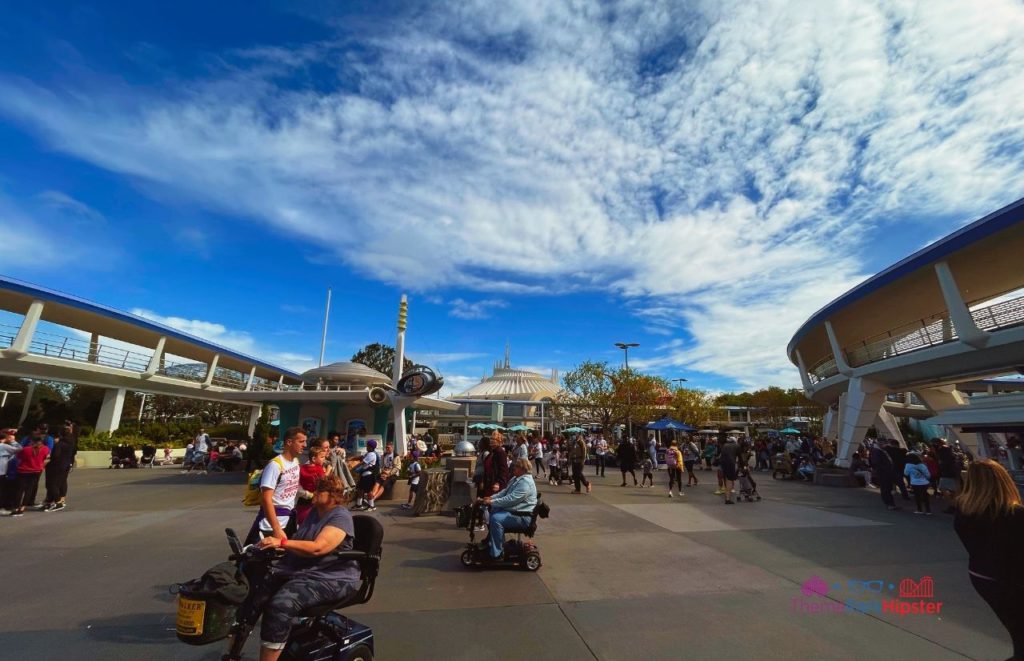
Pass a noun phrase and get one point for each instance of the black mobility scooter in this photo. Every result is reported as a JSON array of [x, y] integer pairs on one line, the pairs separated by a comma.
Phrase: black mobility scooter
[[519, 553], [210, 609]]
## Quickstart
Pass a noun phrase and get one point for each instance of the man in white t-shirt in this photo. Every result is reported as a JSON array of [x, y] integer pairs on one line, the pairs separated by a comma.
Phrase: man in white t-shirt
[[279, 487], [201, 444]]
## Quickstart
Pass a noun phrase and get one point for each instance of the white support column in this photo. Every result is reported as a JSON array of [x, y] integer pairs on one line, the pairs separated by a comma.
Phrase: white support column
[[941, 398], [805, 378], [830, 424], [210, 370], [156, 359], [23, 340], [398, 406], [28, 402], [963, 322], [886, 423], [860, 407], [280, 382], [110, 411], [94, 347], [252, 375], [837, 351], [254, 417]]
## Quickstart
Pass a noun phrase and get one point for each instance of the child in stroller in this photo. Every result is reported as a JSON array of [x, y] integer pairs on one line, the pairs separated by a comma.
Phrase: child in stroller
[[748, 487]]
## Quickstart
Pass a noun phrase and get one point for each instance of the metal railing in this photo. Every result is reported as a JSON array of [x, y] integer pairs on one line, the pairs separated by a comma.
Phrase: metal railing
[[930, 331], [1001, 315], [45, 343], [822, 370], [7, 335]]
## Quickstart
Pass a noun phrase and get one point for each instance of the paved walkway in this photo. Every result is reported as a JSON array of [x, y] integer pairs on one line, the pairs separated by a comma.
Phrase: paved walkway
[[627, 574]]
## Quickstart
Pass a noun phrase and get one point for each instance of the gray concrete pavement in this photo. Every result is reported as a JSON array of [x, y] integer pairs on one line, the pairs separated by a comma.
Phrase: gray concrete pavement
[[627, 574]]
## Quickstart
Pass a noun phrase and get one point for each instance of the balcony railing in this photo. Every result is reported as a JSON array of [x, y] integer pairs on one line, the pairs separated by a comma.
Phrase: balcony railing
[[930, 331], [45, 343]]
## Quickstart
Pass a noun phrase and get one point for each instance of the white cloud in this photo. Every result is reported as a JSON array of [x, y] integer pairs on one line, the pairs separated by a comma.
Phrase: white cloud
[[27, 244], [475, 310], [432, 359], [240, 341], [456, 383], [724, 161], [69, 206]]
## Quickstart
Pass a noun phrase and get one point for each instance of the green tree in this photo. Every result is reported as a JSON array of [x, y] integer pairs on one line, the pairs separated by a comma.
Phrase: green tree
[[380, 357], [587, 395], [639, 398], [692, 406]]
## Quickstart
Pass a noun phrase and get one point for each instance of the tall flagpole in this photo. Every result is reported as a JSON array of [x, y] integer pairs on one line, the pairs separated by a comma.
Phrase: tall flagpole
[[323, 340]]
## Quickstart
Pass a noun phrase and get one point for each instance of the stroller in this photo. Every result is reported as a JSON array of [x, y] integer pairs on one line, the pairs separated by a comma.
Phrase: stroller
[[748, 487], [123, 456], [148, 456]]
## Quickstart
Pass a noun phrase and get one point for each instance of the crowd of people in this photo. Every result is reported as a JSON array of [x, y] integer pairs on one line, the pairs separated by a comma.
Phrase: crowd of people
[[929, 470], [24, 463], [562, 459]]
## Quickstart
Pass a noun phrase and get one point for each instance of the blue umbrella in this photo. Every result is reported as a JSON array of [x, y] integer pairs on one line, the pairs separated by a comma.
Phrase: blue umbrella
[[669, 423], [789, 430], [574, 429]]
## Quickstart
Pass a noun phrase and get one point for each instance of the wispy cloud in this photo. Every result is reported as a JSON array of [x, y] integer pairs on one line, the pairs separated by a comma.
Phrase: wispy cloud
[[445, 358], [69, 206], [481, 309], [725, 160], [240, 341]]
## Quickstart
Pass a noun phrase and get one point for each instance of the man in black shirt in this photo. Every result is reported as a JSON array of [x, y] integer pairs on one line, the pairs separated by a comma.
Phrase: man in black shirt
[[899, 462], [883, 473]]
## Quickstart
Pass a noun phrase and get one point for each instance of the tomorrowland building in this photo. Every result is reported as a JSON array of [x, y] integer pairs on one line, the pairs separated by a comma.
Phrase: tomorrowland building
[[507, 397]]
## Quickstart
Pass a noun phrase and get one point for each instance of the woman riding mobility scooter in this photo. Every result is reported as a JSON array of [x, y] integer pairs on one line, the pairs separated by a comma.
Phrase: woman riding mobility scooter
[[259, 581], [514, 510]]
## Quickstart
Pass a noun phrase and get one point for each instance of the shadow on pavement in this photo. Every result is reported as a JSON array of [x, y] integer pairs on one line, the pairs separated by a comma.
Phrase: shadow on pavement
[[138, 628], [192, 480]]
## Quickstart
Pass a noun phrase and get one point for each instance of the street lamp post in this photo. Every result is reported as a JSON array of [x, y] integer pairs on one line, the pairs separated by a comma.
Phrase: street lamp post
[[625, 346], [679, 382], [142, 406]]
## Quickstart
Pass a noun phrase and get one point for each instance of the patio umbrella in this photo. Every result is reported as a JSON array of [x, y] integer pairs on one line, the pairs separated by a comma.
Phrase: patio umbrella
[[789, 430], [670, 423], [519, 428], [574, 429], [479, 425]]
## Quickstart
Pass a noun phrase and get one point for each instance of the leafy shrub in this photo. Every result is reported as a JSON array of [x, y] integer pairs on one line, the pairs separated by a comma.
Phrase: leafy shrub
[[106, 441]]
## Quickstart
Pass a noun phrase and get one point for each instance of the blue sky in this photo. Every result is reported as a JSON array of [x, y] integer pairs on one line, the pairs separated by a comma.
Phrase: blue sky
[[696, 177]]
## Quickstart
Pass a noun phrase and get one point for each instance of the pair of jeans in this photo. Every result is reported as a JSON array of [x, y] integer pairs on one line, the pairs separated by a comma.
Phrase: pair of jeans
[[921, 497], [675, 476], [25, 490], [56, 483], [577, 475], [599, 463], [500, 520], [538, 466], [885, 487]]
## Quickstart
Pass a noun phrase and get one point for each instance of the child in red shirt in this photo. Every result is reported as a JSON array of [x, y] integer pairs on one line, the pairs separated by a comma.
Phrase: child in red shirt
[[309, 475]]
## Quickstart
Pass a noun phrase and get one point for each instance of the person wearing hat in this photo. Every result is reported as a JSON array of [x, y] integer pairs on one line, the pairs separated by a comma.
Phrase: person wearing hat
[[415, 471], [368, 471]]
